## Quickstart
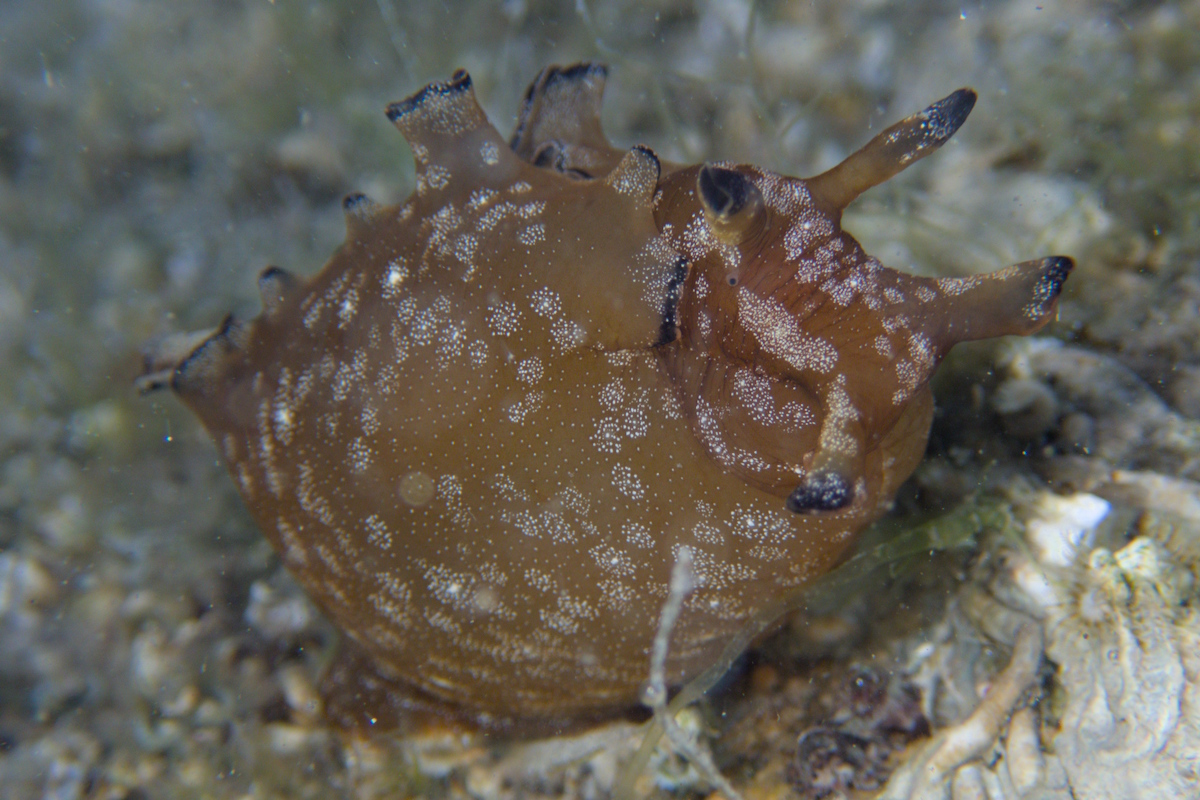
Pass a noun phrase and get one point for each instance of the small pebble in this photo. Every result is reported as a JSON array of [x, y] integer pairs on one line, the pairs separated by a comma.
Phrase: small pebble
[[24, 582], [277, 615], [302, 696], [1029, 408], [1023, 748]]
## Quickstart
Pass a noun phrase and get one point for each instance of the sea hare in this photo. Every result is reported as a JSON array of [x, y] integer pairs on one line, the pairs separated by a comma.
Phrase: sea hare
[[481, 433]]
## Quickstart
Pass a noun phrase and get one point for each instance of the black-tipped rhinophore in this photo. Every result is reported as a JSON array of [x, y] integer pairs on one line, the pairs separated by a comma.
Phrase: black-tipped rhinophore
[[822, 491], [946, 116], [1017, 300], [731, 202], [459, 82], [902, 144], [1049, 285], [724, 192]]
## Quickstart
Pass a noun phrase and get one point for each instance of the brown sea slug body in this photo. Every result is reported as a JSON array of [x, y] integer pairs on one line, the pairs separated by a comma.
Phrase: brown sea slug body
[[480, 434]]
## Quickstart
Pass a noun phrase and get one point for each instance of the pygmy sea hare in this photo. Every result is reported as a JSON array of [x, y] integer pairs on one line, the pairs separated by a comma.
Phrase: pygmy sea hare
[[481, 433]]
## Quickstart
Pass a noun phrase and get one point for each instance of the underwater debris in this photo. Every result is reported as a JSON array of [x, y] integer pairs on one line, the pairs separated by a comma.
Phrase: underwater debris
[[1120, 714], [877, 716]]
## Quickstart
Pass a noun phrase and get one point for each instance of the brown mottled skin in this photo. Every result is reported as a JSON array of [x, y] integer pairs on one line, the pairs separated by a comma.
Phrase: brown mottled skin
[[480, 434]]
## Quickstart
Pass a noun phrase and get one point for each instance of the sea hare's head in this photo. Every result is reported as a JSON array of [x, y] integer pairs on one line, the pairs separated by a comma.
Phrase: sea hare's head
[[780, 298]]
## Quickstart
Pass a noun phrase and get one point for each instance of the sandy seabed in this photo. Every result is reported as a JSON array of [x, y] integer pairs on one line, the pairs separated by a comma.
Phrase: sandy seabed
[[154, 157]]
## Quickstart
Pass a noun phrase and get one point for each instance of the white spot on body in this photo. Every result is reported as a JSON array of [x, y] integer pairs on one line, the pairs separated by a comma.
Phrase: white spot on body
[[529, 404], [477, 353], [434, 178], [840, 412], [614, 561], [708, 533], [806, 235], [494, 216], [544, 524], [612, 395], [283, 419], [545, 303], [714, 572], [762, 526], [489, 153], [533, 210], [635, 422], [637, 534], [567, 334], [768, 553], [913, 371], [347, 308], [530, 370], [310, 501], [532, 234], [360, 455], [711, 434], [566, 616], [378, 533], [464, 250], [450, 342], [627, 482], [450, 490], [481, 198], [370, 420], [504, 319], [393, 601], [607, 436], [780, 335], [957, 286], [394, 277], [427, 322], [753, 392]]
